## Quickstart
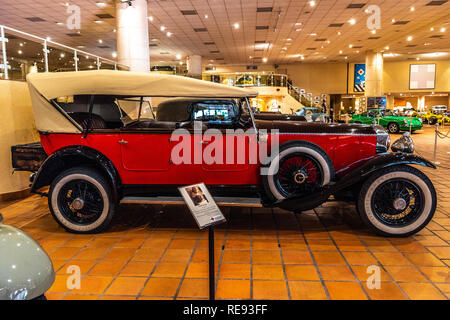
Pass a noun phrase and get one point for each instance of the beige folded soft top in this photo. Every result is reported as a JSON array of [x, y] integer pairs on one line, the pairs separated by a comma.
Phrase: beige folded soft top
[[51, 85]]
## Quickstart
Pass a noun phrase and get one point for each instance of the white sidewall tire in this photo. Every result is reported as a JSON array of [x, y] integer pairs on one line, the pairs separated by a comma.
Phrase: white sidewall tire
[[427, 210], [60, 217], [275, 162]]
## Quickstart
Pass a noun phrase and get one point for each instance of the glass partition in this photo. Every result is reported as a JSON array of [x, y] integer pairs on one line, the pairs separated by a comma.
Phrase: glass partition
[[22, 53]]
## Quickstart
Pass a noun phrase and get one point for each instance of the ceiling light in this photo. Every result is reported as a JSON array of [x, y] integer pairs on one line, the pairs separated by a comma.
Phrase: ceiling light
[[442, 29], [114, 54], [59, 23], [178, 56], [387, 47], [49, 39], [350, 46], [434, 54], [298, 30], [101, 4], [62, 55], [339, 33], [206, 16], [302, 57], [352, 21], [340, 51], [100, 41], [346, 57], [393, 20], [288, 39], [264, 59], [409, 38], [19, 52], [427, 44], [298, 24], [181, 63], [236, 25], [312, 3], [412, 9], [373, 31], [313, 34], [98, 21], [390, 54], [150, 18], [431, 29], [162, 28], [169, 34]]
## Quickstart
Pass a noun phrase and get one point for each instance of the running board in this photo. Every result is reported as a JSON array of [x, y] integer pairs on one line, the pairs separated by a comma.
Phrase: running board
[[221, 201]]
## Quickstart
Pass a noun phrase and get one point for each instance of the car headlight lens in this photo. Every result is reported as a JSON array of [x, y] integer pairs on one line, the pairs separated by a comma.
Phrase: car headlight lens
[[404, 144], [383, 139]]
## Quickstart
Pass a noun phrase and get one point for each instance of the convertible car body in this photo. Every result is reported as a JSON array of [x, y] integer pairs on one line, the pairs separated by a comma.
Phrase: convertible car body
[[394, 122], [121, 137]]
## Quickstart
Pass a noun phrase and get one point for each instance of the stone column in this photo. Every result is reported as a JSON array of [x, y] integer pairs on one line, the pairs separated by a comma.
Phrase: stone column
[[132, 35], [194, 66], [374, 74]]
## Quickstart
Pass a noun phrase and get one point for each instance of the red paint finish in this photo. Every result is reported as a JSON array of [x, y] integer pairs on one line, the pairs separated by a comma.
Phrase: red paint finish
[[145, 158]]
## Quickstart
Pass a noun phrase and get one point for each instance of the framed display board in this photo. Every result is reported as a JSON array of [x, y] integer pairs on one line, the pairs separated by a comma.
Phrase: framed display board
[[202, 205], [359, 78], [376, 103], [422, 76]]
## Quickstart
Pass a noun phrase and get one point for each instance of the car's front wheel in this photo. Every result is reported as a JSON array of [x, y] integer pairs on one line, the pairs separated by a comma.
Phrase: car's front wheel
[[80, 200], [393, 127], [397, 202], [432, 120]]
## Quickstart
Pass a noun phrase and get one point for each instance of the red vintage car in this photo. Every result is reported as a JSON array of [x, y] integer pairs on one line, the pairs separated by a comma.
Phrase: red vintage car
[[113, 137]]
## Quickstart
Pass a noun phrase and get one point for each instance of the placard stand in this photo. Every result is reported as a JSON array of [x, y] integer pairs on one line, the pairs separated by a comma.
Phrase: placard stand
[[212, 281]]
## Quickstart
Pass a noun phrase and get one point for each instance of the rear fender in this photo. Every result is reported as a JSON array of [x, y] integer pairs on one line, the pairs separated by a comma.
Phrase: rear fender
[[380, 162], [74, 156]]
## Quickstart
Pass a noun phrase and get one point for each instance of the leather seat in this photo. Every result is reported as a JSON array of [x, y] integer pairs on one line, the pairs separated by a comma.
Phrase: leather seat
[[82, 118]]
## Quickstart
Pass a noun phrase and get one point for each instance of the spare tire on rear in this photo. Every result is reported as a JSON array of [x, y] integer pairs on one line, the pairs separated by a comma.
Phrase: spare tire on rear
[[300, 168]]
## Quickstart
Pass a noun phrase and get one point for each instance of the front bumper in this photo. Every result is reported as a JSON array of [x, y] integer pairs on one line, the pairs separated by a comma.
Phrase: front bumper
[[414, 127]]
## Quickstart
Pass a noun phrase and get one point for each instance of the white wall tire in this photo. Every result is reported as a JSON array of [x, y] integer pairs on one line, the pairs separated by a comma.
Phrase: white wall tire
[[421, 205], [100, 187], [308, 149]]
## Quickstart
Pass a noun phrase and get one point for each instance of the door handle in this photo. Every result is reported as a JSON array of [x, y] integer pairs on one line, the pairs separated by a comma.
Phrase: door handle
[[123, 141], [204, 142]]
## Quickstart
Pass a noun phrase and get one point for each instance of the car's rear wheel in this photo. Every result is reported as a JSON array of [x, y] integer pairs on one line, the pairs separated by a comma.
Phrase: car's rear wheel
[[80, 200], [398, 202], [300, 168], [393, 127], [432, 120]]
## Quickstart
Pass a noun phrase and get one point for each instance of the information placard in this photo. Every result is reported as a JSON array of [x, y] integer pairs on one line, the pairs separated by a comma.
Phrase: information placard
[[202, 205]]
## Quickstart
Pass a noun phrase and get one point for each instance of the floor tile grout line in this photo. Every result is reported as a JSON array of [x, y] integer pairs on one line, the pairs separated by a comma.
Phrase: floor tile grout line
[[312, 256], [383, 267], [286, 281], [177, 291]]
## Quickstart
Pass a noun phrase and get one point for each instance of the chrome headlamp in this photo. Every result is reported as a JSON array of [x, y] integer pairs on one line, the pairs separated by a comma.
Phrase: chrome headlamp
[[383, 139], [404, 144]]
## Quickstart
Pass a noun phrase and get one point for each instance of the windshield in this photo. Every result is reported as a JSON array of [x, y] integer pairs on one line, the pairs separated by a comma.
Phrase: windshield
[[135, 108]]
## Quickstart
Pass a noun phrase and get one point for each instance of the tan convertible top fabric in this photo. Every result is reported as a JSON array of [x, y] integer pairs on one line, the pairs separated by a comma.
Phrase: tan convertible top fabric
[[108, 82]]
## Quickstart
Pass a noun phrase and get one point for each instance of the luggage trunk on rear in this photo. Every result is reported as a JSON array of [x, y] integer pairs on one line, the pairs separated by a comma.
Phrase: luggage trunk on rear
[[28, 157]]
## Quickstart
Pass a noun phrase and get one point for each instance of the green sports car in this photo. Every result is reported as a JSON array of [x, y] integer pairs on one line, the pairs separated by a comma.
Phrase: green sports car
[[388, 119]]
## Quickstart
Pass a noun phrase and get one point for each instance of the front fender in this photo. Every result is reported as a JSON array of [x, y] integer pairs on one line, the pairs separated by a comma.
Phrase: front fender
[[381, 161], [73, 156]]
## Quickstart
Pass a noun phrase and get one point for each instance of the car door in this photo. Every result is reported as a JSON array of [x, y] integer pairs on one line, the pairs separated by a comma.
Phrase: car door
[[225, 149]]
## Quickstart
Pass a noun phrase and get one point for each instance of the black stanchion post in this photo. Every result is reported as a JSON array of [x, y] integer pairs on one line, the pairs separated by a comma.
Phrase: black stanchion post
[[212, 281]]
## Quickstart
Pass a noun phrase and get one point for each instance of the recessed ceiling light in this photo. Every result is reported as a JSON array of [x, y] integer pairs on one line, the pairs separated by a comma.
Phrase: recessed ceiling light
[[373, 31], [313, 34], [49, 39], [62, 55], [387, 47], [412, 9], [169, 34], [442, 29], [393, 20], [264, 59], [100, 41], [339, 33], [350, 46], [340, 51], [98, 21], [114, 54], [432, 29], [19, 52], [101, 4], [178, 56], [312, 3], [150, 18], [299, 24], [288, 39], [60, 23], [409, 38], [162, 28], [206, 16], [236, 25], [352, 21], [298, 30]]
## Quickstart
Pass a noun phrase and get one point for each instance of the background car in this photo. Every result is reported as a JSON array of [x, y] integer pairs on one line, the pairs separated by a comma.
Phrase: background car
[[388, 119], [26, 271], [313, 114], [435, 114]]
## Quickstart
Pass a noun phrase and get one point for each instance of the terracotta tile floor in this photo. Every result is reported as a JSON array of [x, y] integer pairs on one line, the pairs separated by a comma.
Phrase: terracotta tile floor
[[155, 252]]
